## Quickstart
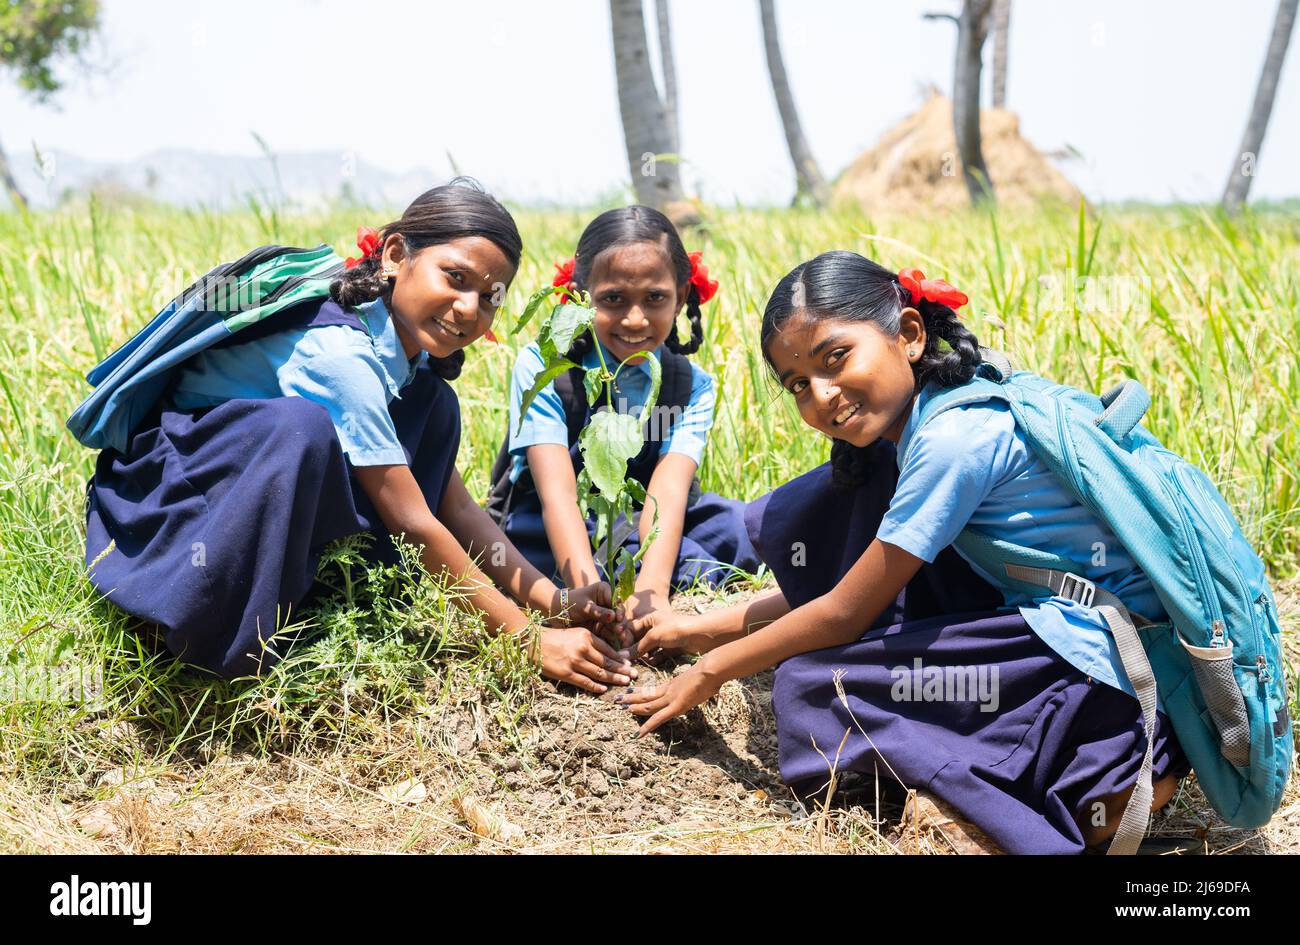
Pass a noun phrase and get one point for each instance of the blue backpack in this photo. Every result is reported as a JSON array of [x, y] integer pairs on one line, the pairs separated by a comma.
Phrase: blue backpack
[[230, 299], [1218, 662]]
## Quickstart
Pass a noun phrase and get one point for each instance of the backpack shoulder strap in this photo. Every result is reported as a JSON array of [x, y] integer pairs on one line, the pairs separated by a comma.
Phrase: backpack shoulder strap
[[678, 378], [674, 392], [1043, 573], [974, 391], [573, 395], [998, 361], [316, 312], [498, 500]]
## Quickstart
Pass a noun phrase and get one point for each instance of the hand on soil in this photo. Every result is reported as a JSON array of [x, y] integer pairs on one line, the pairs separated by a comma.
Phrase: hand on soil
[[643, 603], [676, 697], [665, 632], [575, 655]]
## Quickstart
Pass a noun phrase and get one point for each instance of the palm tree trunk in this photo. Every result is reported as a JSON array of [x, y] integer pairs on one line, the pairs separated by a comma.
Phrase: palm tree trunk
[[972, 28], [10, 184], [668, 67], [645, 124], [1001, 27], [1243, 171], [809, 182]]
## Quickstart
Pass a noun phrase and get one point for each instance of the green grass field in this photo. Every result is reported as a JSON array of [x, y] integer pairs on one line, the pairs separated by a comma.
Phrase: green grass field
[[1204, 311]]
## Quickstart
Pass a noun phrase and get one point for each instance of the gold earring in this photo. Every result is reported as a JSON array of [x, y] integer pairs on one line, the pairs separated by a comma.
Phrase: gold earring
[[389, 273]]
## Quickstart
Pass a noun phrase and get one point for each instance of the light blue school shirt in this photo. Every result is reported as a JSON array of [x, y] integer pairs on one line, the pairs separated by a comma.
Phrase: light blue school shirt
[[972, 465], [544, 422], [352, 375]]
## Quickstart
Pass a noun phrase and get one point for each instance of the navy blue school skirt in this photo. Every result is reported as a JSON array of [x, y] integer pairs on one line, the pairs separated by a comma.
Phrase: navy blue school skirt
[[947, 691], [715, 542], [217, 517]]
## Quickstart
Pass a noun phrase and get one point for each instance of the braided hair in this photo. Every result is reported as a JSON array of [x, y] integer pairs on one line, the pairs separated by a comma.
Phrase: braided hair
[[638, 224], [845, 286], [459, 209]]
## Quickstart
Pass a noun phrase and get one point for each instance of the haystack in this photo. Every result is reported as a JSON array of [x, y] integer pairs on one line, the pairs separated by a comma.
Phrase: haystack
[[915, 165]]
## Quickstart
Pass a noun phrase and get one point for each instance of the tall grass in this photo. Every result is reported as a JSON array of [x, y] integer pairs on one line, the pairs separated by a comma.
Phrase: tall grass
[[1204, 311]]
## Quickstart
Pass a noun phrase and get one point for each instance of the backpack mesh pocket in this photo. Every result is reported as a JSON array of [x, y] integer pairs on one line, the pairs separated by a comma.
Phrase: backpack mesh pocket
[[1213, 669]]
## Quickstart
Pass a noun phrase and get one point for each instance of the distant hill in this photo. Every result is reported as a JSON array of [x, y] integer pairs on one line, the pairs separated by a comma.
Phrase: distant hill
[[303, 179]]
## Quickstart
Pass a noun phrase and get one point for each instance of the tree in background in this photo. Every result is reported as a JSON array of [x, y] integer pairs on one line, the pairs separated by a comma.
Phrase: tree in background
[[34, 34], [972, 30], [809, 182], [1001, 28], [668, 68], [1243, 170], [647, 128]]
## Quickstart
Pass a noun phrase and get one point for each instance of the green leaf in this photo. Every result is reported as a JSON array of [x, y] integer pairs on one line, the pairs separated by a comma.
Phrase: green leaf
[[607, 443], [601, 506], [567, 321], [593, 380], [656, 378], [635, 490], [654, 525], [553, 370], [584, 492], [535, 302], [625, 582]]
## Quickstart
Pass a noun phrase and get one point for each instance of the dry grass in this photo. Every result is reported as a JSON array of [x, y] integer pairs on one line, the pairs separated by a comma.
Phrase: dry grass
[[569, 778]]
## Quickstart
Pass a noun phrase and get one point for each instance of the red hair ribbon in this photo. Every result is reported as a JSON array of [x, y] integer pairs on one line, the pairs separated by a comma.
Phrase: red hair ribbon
[[705, 287], [932, 290], [563, 277], [368, 242]]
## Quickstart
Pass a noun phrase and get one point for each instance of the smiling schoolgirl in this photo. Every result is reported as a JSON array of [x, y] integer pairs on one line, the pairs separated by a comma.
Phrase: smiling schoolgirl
[[1048, 760], [632, 263], [334, 417]]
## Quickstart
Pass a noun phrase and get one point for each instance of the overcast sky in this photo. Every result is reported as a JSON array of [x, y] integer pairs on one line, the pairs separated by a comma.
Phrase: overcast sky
[[1153, 93]]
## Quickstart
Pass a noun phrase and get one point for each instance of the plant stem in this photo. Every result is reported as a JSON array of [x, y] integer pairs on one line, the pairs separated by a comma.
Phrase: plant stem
[[611, 513]]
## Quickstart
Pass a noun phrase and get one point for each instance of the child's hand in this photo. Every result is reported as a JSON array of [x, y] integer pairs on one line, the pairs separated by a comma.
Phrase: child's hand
[[574, 655], [588, 605], [676, 697], [644, 603], [666, 631]]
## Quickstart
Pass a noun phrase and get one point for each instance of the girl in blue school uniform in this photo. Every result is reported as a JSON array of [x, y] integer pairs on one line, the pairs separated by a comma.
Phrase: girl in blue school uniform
[[334, 417], [1051, 734], [632, 263]]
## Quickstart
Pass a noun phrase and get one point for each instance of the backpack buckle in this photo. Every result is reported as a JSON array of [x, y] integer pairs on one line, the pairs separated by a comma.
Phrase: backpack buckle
[[1080, 590]]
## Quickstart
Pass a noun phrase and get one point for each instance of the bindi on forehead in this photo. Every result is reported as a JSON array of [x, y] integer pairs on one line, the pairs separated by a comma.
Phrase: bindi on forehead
[[801, 334]]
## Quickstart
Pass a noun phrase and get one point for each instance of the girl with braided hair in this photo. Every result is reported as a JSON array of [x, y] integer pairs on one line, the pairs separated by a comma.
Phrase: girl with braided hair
[[330, 418], [1014, 710], [640, 278]]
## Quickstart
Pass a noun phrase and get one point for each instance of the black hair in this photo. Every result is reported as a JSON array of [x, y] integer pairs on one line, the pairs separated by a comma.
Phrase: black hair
[[458, 209], [638, 224], [845, 286]]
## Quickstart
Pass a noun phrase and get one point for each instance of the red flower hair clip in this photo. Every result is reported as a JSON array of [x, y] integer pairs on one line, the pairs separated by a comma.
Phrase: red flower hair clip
[[705, 288], [932, 290], [368, 242], [563, 277]]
